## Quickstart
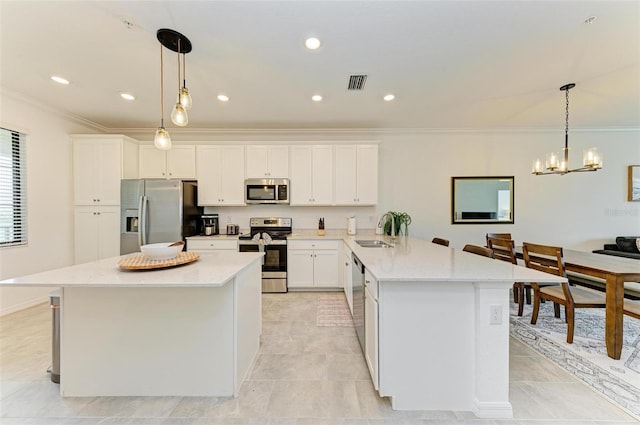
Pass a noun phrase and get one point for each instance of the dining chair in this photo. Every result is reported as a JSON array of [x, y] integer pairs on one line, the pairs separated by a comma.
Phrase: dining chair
[[505, 250], [479, 250], [498, 235], [550, 259], [632, 308], [440, 241]]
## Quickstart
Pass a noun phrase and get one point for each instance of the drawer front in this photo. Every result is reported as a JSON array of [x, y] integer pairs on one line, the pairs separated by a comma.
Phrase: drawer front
[[313, 244], [371, 283], [211, 244]]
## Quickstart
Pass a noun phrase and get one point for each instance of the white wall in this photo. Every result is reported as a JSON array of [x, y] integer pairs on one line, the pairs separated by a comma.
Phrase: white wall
[[580, 211], [49, 199]]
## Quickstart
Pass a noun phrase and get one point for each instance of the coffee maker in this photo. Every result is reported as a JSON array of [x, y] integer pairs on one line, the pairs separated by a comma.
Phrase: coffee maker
[[210, 225]]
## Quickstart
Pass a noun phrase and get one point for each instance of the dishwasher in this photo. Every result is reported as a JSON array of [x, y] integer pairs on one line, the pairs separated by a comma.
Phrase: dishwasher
[[357, 271]]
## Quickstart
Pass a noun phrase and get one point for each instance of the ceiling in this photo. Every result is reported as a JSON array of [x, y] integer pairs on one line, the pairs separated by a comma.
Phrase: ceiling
[[451, 64]]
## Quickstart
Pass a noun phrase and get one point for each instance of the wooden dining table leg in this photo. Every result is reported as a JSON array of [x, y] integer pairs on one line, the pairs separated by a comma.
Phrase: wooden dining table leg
[[614, 319]]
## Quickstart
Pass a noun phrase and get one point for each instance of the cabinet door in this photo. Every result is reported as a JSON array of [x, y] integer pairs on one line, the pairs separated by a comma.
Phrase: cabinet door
[[257, 162], [347, 278], [278, 159], [367, 174], [97, 171], [86, 235], [181, 162], [232, 175], [153, 163], [108, 232], [208, 173], [300, 268], [85, 162], [322, 175], [109, 172], [325, 270], [345, 175], [301, 182], [371, 335]]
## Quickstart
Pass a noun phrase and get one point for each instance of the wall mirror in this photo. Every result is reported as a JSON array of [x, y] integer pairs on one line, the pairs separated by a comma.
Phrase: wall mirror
[[483, 200]]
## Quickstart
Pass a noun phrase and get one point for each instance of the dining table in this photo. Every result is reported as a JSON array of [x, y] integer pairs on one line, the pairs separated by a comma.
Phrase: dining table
[[615, 271]]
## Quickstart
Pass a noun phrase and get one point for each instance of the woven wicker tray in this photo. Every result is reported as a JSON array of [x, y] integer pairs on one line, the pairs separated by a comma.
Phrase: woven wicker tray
[[140, 262]]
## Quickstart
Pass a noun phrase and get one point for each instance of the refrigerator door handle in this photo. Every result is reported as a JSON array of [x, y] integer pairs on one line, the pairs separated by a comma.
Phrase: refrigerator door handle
[[142, 231]]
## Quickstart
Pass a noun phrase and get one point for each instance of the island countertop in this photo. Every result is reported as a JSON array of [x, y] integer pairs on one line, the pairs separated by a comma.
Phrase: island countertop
[[212, 269]]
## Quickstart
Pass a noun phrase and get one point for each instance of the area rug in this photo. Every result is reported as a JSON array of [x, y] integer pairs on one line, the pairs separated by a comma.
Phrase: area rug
[[333, 310], [586, 358]]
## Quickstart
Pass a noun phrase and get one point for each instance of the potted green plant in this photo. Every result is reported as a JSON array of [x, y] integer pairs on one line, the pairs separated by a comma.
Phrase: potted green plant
[[401, 220]]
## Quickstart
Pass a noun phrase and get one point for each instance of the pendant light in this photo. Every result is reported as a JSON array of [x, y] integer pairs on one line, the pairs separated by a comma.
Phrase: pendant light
[[176, 42], [162, 140], [179, 114], [559, 164], [185, 97]]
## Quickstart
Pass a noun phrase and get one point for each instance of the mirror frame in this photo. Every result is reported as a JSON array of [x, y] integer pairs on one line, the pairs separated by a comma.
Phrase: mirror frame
[[481, 220]]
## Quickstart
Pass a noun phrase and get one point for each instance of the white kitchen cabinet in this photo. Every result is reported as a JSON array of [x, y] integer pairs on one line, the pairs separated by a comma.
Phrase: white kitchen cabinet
[[356, 174], [371, 326], [179, 162], [313, 264], [220, 174], [99, 163], [347, 278], [96, 233], [265, 161], [211, 244], [311, 175]]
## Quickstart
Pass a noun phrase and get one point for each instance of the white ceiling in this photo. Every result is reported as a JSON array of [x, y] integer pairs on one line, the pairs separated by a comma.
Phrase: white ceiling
[[451, 64]]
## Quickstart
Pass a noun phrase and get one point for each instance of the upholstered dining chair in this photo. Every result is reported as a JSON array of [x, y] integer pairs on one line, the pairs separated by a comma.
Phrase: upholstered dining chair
[[440, 241], [479, 250], [550, 259]]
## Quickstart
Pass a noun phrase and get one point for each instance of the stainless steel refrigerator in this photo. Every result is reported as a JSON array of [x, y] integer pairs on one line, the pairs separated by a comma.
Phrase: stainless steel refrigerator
[[153, 211]]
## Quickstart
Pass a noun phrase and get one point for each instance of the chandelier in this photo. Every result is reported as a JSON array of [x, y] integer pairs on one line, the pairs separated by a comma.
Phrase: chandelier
[[180, 44], [559, 164]]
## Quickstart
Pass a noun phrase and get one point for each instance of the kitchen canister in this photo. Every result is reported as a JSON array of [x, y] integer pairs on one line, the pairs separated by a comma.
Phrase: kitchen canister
[[351, 225]]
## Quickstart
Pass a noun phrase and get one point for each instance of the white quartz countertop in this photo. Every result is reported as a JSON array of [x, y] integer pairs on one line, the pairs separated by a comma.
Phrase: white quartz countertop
[[200, 237], [418, 260], [211, 269]]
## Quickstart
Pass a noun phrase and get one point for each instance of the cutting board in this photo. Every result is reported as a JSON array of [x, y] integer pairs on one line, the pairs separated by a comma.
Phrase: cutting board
[[140, 262]]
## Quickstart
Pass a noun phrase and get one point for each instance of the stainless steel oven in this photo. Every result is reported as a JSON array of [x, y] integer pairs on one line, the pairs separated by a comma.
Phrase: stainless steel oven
[[269, 235]]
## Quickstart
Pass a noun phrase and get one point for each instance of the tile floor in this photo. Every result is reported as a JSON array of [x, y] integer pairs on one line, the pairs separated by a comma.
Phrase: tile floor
[[303, 375]]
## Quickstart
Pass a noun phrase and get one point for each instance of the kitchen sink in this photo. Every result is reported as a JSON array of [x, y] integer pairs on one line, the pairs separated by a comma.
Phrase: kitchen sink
[[373, 244]]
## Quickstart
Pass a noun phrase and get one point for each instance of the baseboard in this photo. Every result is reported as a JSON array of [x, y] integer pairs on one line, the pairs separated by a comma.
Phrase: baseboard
[[24, 305], [492, 409]]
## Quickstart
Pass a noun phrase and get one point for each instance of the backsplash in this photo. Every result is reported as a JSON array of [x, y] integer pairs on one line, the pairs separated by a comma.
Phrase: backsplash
[[303, 217]]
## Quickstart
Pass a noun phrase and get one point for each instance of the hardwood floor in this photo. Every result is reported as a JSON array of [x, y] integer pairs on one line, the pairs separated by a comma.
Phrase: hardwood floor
[[303, 375]]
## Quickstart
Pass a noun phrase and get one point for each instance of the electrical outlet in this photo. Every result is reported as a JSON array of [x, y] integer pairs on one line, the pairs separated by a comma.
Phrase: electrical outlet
[[228, 219], [495, 314]]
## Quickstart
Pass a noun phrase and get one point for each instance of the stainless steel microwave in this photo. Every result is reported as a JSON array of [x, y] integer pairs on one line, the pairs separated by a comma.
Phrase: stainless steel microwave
[[266, 191]]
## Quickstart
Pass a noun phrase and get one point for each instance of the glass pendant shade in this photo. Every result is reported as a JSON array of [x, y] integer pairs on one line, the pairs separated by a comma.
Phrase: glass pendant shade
[[537, 167], [592, 158], [162, 140], [179, 115], [185, 98], [553, 161]]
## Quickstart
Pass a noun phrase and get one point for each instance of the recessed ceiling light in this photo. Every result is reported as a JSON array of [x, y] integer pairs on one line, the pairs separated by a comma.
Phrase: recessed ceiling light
[[316, 98], [590, 19], [312, 43], [223, 98], [127, 96], [59, 80], [389, 97]]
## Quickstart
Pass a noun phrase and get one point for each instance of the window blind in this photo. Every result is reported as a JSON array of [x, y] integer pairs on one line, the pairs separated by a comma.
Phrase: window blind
[[13, 188]]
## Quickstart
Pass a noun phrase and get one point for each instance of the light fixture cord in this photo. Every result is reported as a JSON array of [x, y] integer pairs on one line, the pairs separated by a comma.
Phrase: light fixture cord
[[161, 88], [566, 128], [178, 70], [184, 71]]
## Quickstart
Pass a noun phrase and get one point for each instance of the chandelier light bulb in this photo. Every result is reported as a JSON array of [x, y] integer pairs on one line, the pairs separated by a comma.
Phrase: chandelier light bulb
[[162, 140], [185, 98], [179, 115]]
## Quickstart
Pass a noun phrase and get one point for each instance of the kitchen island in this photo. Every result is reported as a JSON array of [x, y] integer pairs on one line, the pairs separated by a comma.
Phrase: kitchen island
[[436, 325], [191, 330]]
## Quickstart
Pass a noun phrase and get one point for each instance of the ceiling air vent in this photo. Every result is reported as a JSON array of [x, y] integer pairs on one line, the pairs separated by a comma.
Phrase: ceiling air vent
[[356, 82]]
